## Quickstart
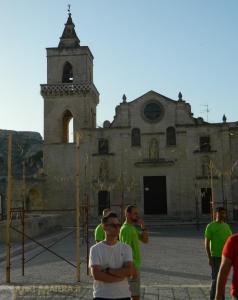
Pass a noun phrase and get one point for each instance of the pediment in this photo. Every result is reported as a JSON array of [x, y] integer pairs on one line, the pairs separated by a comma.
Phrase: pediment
[[153, 95], [155, 109]]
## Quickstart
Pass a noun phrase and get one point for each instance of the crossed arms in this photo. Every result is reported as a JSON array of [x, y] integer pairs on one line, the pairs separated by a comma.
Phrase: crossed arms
[[112, 275]]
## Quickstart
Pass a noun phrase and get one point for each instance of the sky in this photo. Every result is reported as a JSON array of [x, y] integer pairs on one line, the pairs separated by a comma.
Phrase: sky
[[138, 45]]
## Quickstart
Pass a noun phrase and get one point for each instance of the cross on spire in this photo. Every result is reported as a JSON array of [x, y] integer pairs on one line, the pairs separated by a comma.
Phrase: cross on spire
[[69, 9]]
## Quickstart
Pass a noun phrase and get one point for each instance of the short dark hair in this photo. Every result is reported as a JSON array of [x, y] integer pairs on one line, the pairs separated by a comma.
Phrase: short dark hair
[[220, 208], [129, 208], [107, 216]]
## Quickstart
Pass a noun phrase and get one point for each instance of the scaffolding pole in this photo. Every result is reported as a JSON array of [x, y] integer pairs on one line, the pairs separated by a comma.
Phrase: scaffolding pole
[[9, 206], [23, 215]]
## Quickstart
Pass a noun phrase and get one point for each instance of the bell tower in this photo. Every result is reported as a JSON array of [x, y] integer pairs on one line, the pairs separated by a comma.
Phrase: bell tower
[[70, 101], [70, 93]]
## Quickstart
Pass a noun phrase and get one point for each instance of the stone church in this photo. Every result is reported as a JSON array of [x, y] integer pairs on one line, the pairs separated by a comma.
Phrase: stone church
[[154, 153]]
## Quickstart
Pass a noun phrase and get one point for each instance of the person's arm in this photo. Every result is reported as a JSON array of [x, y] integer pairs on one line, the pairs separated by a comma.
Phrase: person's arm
[[102, 275], [126, 271], [143, 235], [222, 277], [208, 251]]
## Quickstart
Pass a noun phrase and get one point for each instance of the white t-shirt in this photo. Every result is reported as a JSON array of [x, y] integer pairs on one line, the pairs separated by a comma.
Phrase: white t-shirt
[[113, 257]]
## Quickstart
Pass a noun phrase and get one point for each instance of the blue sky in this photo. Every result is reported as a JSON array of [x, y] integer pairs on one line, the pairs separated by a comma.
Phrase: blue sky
[[138, 45]]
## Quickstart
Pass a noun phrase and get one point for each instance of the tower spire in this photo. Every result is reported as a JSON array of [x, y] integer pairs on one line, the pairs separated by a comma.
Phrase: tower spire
[[69, 37]]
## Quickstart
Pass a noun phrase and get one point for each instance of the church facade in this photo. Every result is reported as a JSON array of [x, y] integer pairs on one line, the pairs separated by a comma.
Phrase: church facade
[[154, 153]]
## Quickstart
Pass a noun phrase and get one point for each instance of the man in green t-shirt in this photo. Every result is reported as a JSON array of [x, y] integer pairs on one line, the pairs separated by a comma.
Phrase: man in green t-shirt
[[216, 234], [99, 233], [131, 232]]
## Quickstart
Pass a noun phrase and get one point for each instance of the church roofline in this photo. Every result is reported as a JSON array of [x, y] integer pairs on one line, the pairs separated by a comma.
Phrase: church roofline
[[230, 125], [153, 92]]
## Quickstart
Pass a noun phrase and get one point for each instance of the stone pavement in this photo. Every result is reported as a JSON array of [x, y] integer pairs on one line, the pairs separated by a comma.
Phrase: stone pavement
[[174, 266], [76, 292]]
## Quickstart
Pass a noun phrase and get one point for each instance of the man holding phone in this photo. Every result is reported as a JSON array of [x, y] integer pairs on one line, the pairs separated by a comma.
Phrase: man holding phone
[[131, 232]]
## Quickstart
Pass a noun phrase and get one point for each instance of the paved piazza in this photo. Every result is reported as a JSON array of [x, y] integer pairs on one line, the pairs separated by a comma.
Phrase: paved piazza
[[174, 267]]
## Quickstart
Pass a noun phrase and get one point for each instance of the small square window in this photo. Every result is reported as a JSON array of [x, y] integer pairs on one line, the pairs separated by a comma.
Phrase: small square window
[[205, 145], [103, 146]]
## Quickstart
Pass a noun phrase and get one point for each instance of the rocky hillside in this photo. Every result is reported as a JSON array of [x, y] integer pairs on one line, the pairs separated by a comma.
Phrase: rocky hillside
[[27, 147]]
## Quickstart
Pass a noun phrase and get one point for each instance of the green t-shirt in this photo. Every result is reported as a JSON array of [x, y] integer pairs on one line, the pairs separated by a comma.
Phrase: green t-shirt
[[99, 234], [217, 233], [130, 235]]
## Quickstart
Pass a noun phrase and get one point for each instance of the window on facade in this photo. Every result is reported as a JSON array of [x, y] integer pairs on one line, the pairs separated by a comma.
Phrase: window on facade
[[205, 143], [68, 131], [103, 201], [135, 137], [67, 73], [206, 195], [171, 136], [103, 146]]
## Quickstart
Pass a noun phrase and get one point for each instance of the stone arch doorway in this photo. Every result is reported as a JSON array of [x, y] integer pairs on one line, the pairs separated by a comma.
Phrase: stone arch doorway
[[34, 200]]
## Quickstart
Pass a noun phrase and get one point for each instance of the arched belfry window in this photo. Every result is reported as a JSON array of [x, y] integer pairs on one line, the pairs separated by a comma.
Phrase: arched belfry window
[[171, 136], [67, 73], [68, 131], [135, 137]]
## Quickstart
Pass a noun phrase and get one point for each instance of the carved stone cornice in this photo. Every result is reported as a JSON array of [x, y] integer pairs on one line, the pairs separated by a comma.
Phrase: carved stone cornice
[[65, 89], [154, 163]]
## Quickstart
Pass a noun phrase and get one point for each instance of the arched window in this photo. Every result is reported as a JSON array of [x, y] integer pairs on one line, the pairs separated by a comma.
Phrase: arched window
[[171, 136], [103, 147], [68, 131], [67, 73], [135, 137]]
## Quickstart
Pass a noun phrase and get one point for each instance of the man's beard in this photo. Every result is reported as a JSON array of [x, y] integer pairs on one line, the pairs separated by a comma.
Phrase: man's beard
[[135, 220]]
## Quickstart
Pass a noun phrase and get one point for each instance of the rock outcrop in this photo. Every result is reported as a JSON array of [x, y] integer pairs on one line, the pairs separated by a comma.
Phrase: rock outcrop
[[26, 147]]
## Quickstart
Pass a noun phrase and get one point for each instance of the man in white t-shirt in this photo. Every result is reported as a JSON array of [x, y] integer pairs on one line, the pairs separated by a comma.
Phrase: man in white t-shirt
[[111, 263]]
